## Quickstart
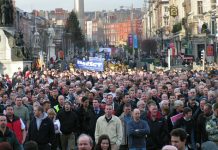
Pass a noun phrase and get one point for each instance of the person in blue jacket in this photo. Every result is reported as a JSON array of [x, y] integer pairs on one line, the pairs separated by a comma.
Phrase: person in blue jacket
[[137, 131]]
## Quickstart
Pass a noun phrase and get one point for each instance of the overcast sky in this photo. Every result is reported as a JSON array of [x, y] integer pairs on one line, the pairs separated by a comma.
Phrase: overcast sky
[[90, 5]]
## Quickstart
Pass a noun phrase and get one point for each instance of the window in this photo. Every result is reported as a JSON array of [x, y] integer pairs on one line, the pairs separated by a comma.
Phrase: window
[[200, 7]]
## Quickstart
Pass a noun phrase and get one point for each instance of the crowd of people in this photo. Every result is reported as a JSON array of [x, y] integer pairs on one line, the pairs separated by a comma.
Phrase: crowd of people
[[132, 110]]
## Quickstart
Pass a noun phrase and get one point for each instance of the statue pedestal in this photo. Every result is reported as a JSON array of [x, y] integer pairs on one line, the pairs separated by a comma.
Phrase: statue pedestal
[[7, 65], [51, 52], [5, 49]]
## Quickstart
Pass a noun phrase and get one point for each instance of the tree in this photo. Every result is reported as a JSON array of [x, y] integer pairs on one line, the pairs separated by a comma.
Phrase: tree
[[177, 27], [149, 46], [73, 30]]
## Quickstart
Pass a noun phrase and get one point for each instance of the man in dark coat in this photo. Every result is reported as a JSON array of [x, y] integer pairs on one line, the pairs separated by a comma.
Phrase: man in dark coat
[[159, 135], [69, 126], [41, 130], [187, 123], [6, 135], [96, 113], [202, 135]]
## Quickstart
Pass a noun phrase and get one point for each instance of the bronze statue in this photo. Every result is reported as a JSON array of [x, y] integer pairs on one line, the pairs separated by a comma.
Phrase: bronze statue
[[6, 12]]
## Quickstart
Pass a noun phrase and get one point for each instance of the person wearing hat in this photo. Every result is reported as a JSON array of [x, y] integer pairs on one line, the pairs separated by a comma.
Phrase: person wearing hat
[[212, 124], [69, 125]]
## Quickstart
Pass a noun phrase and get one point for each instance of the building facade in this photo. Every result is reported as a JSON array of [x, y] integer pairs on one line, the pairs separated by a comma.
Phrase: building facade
[[180, 23]]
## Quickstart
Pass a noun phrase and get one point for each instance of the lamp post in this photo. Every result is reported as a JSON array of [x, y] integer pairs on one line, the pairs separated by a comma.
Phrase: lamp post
[[160, 32], [132, 31], [216, 47]]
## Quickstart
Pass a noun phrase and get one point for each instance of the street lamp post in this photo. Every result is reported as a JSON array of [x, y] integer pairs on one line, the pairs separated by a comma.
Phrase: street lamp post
[[132, 31], [216, 46]]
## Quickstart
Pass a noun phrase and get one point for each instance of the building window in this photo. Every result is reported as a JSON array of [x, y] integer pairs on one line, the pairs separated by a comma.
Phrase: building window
[[200, 7]]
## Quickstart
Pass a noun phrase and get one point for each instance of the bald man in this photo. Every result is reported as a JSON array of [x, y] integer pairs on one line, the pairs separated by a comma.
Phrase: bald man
[[137, 131]]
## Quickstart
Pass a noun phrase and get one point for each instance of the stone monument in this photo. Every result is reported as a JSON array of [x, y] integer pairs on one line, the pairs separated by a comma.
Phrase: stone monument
[[13, 53], [51, 45]]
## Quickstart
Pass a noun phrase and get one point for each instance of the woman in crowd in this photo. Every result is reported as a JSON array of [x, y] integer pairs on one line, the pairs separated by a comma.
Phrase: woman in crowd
[[52, 115], [103, 143]]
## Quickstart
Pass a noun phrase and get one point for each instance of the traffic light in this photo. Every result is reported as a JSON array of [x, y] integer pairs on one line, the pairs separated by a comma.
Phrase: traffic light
[[202, 55]]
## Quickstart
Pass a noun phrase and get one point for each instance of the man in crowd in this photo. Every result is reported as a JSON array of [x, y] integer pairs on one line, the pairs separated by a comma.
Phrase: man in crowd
[[178, 138], [202, 135], [16, 125], [21, 111], [212, 124], [69, 126], [84, 142], [137, 131], [41, 129], [6, 135], [60, 104], [159, 135], [125, 118], [110, 125]]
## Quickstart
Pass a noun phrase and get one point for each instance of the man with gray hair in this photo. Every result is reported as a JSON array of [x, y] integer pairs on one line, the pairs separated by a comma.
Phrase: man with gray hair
[[84, 142], [169, 147]]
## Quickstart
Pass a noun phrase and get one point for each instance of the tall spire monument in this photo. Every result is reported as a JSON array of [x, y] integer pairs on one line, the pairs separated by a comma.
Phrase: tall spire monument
[[79, 10]]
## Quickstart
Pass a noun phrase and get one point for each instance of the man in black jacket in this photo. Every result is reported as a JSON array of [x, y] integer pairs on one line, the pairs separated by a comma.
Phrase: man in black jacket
[[41, 129], [6, 135], [187, 123], [202, 135], [69, 125]]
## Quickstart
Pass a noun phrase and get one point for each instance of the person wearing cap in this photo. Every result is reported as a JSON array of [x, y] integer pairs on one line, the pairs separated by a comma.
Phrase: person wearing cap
[[212, 124], [69, 126]]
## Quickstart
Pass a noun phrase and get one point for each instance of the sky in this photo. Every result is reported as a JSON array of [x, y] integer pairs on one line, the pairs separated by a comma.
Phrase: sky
[[90, 5]]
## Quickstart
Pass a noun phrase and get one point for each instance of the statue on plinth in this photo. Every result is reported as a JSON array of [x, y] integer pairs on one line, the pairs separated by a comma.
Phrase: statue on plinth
[[19, 49], [6, 12], [51, 35]]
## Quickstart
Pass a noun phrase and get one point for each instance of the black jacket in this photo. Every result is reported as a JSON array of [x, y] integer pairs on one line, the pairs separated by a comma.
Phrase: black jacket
[[69, 121], [159, 135], [10, 137], [85, 117], [188, 126], [202, 135], [94, 120], [45, 134]]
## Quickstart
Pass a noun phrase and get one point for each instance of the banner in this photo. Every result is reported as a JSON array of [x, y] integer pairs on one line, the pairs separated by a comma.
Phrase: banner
[[106, 51], [130, 40], [93, 65], [210, 50], [135, 41]]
